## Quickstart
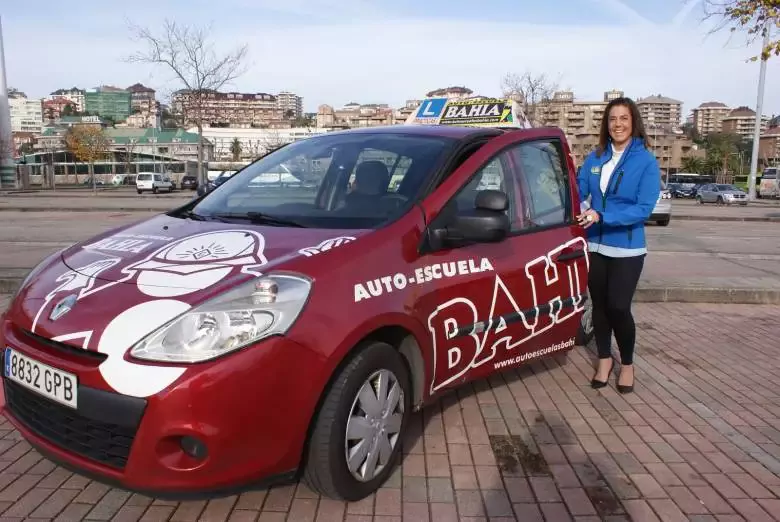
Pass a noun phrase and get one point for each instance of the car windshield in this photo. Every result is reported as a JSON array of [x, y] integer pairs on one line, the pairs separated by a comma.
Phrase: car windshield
[[341, 181], [727, 187]]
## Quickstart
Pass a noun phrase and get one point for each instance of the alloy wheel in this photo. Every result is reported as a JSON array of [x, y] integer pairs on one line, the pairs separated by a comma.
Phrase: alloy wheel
[[374, 425]]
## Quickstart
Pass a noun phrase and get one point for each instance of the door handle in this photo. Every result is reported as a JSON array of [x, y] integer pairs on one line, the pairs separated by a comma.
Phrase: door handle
[[571, 255]]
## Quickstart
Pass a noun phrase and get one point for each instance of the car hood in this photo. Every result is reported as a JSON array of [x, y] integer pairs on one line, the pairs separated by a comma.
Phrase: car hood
[[163, 266], [733, 192]]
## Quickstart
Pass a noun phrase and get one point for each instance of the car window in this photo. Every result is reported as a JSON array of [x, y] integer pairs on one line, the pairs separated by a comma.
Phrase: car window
[[496, 174], [545, 183], [338, 180], [143, 177]]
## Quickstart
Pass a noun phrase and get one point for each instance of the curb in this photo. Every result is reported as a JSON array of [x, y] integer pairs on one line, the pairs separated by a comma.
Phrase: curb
[[688, 294]]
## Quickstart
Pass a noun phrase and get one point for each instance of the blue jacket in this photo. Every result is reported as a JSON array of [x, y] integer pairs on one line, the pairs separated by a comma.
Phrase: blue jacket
[[631, 195]]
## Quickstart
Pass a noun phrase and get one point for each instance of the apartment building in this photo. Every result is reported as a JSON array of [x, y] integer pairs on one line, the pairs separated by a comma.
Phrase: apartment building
[[769, 147], [228, 109], [26, 113], [109, 102], [661, 111], [742, 121], [74, 95], [290, 104], [708, 117], [355, 115]]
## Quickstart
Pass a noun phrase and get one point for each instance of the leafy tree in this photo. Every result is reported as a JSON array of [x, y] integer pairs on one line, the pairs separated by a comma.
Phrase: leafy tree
[[235, 149], [693, 164], [752, 16], [88, 143]]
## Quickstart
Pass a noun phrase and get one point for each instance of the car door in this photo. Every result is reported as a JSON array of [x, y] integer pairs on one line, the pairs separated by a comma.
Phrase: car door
[[497, 305]]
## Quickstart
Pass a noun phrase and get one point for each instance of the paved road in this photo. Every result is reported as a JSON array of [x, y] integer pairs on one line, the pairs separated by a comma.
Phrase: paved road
[[699, 440], [742, 254]]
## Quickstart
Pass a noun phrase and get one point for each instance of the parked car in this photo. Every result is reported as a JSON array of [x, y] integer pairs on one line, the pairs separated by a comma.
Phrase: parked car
[[682, 190], [258, 334], [216, 182], [152, 182], [190, 182], [662, 212], [721, 194]]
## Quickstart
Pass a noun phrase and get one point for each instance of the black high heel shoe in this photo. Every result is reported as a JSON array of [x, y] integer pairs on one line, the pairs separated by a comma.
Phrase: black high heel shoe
[[625, 388], [595, 383]]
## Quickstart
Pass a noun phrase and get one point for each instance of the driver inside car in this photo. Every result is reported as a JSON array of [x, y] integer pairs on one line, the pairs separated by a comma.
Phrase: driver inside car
[[370, 185]]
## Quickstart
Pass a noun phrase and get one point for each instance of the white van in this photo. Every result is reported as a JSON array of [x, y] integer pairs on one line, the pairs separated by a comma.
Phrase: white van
[[153, 182]]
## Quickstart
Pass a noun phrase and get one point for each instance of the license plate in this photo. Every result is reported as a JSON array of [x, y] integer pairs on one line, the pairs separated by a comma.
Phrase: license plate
[[52, 383]]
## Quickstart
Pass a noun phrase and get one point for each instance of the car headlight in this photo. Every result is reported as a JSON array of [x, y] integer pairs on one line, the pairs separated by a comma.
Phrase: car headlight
[[244, 315]]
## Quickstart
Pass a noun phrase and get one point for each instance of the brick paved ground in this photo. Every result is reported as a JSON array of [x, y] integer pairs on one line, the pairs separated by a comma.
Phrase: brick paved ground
[[699, 440]]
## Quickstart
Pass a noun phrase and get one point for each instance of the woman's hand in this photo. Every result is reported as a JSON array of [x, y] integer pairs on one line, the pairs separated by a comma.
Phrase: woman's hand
[[588, 218]]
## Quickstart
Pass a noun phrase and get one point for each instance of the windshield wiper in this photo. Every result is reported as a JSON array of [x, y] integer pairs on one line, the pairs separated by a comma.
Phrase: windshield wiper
[[192, 215], [260, 218]]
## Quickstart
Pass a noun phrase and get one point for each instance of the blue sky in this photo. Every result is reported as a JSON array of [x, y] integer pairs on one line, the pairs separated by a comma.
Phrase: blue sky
[[374, 51]]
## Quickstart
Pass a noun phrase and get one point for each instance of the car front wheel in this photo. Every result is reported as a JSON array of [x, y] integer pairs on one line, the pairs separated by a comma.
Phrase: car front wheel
[[359, 429]]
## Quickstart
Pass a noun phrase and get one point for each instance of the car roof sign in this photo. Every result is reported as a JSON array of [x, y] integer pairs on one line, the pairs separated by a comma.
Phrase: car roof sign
[[477, 112]]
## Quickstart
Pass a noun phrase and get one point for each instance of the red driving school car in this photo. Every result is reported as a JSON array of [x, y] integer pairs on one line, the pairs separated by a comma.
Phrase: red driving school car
[[287, 324]]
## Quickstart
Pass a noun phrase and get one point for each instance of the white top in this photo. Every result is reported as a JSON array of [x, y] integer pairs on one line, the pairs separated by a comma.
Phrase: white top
[[606, 170]]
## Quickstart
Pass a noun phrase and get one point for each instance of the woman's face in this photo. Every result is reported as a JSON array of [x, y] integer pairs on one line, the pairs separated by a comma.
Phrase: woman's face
[[620, 128]]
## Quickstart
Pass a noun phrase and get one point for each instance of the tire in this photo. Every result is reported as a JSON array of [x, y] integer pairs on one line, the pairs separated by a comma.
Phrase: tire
[[664, 222], [154, 190], [585, 330], [699, 200], [139, 191], [719, 201], [326, 468]]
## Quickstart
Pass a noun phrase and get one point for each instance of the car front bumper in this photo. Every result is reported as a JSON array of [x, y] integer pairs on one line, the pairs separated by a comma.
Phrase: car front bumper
[[250, 412]]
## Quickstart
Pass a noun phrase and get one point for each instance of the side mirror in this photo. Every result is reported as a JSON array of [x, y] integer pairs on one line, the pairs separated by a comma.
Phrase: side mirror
[[487, 222]]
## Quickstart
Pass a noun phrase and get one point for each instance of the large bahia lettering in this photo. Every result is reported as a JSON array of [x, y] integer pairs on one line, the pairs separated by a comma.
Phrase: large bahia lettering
[[455, 325]]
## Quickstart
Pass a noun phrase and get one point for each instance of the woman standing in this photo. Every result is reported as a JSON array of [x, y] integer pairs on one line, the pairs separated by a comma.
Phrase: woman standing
[[622, 179]]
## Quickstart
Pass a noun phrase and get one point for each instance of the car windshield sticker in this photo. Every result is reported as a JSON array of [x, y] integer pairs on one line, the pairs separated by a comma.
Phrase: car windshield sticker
[[326, 245], [421, 275], [457, 350]]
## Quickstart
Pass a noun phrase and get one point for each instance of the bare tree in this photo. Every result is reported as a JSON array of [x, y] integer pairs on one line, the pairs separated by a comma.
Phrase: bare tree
[[7, 149], [530, 91], [752, 16], [189, 54]]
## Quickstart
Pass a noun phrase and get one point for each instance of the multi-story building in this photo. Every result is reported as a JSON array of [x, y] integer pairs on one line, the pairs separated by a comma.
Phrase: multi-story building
[[74, 95], [144, 108], [290, 104], [660, 111], [228, 109], [177, 143], [108, 102], [355, 115], [708, 117], [54, 107], [769, 147], [742, 121], [26, 114], [453, 93]]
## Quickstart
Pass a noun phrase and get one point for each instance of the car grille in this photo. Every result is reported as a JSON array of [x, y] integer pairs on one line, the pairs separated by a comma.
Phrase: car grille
[[738, 196], [103, 442]]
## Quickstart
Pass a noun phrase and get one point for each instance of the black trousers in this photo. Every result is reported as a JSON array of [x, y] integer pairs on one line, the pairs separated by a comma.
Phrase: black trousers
[[612, 282]]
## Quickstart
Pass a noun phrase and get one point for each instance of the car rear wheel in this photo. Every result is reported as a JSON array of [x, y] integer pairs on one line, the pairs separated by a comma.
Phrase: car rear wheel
[[359, 429], [585, 330]]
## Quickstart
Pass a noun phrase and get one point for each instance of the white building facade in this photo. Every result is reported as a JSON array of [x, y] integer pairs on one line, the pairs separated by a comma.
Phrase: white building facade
[[26, 114], [254, 142]]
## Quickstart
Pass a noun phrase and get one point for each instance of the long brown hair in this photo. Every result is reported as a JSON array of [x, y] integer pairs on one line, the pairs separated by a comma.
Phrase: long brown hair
[[637, 125]]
